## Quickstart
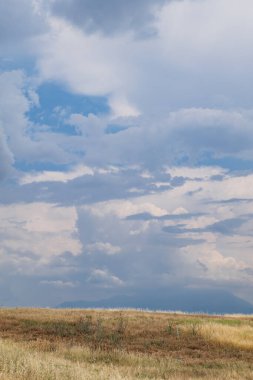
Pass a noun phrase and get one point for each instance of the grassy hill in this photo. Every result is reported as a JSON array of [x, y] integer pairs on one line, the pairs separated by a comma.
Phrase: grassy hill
[[123, 344]]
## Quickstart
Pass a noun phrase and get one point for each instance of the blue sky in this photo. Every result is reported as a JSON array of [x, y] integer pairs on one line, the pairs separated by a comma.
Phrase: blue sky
[[125, 148]]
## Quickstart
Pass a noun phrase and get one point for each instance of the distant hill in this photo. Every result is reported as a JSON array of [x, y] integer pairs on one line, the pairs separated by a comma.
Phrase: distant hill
[[187, 300]]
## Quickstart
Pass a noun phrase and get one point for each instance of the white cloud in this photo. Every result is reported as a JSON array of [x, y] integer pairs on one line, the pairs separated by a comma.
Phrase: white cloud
[[121, 107], [178, 99], [214, 265], [225, 26], [104, 277], [26, 141], [123, 208], [180, 68], [56, 176], [59, 283], [106, 248], [91, 63], [199, 246], [185, 135], [37, 230]]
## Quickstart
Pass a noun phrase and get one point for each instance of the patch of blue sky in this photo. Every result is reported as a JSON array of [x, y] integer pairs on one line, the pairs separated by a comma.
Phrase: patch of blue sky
[[114, 128], [57, 104], [23, 63], [233, 164], [25, 166]]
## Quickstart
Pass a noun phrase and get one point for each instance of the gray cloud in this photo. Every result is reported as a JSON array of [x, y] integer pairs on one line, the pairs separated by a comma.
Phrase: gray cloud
[[111, 16], [227, 227], [143, 255], [183, 71], [186, 136], [17, 98], [19, 20], [146, 251], [86, 189], [6, 157], [232, 201]]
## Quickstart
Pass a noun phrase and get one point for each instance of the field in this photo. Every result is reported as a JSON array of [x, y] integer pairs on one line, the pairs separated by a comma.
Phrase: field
[[123, 344]]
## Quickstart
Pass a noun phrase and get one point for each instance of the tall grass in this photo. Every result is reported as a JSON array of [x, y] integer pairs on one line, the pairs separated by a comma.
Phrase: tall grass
[[78, 363], [19, 361]]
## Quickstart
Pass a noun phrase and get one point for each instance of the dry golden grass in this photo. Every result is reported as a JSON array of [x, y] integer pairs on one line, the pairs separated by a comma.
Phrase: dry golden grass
[[240, 337], [105, 344]]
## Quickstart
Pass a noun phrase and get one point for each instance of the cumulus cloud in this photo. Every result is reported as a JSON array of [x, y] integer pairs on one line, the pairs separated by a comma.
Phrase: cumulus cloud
[[219, 232], [186, 135], [148, 191], [183, 68], [26, 140], [111, 248]]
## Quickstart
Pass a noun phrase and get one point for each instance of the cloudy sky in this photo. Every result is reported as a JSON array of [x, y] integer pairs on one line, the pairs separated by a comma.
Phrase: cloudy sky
[[126, 148]]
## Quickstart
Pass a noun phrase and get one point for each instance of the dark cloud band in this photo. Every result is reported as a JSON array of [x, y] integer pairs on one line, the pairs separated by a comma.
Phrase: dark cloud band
[[111, 16]]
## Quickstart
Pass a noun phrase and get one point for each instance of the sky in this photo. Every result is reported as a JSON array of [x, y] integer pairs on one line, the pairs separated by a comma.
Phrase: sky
[[126, 148]]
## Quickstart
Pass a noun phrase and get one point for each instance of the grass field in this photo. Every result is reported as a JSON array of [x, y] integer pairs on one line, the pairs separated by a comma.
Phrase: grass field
[[105, 344]]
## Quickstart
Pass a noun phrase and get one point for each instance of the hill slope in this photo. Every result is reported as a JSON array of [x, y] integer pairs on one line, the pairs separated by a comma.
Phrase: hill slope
[[188, 300]]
